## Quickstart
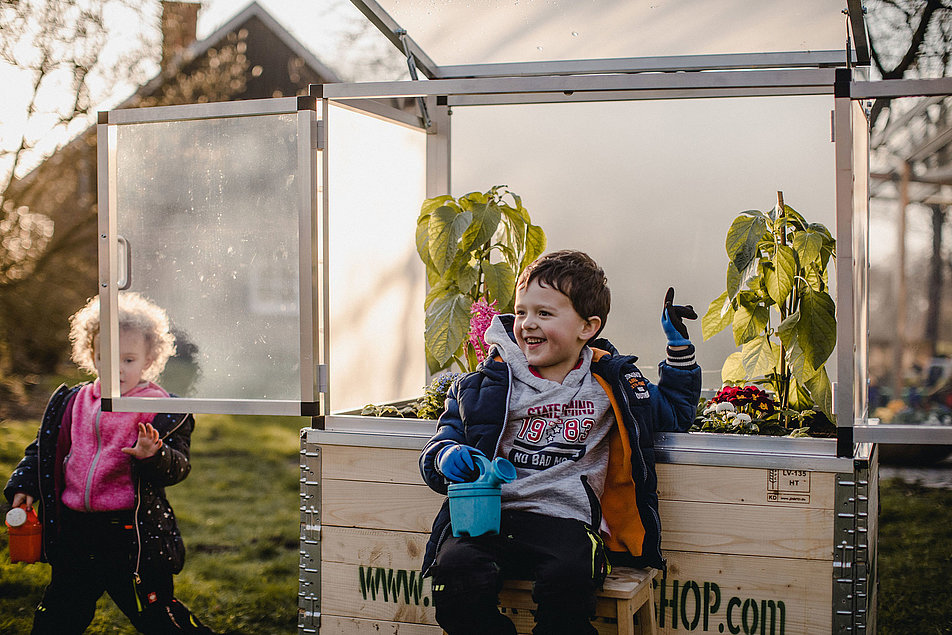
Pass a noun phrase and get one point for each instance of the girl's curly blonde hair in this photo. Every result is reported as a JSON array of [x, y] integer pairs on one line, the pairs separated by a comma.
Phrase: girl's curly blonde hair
[[136, 313]]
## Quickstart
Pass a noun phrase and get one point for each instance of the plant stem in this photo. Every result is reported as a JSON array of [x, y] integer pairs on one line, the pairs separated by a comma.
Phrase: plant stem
[[780, 238]]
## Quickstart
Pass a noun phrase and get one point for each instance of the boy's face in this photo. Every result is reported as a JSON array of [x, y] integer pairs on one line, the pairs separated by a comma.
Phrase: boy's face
[[549, 331], [134, 358]]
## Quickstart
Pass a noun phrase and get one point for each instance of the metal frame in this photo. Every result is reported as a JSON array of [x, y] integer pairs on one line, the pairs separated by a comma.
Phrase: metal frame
[[312, 347]]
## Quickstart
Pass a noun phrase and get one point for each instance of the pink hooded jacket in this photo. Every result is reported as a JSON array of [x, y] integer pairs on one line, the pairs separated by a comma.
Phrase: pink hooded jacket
[[98, 474]]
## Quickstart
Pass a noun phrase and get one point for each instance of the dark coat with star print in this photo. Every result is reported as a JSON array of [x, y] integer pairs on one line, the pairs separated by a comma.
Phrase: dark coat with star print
[[40, 475]]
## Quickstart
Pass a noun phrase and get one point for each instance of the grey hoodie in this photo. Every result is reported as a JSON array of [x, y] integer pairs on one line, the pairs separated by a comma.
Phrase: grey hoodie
[[554, 434]]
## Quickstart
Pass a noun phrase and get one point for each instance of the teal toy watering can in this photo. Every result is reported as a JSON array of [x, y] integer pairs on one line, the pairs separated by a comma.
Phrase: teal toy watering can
[[475, 507]]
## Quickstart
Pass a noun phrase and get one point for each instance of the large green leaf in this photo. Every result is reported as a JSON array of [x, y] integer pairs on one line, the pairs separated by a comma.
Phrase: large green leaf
[[445, 229], [515, 226], [815, 279], [423, 248], [484, 224], [750, 320], [759, 357], [500, 282], [799, 365], [787, 330], [742, 239], [822, 392], [430, 205], [466, 278], [816, 330], [733, 368], [535, 245], [441, 287], [719, 315], [799, 397], [793, 217], [808, 245], [779, 279], [447, 324]]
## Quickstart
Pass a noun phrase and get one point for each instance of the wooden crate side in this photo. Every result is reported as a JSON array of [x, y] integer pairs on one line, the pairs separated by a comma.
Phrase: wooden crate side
[[334, 625], [373, 547], [379, 505], [743, 594], [357, 595], [384, 465], [755, 530], [376, 593], [746, 486]]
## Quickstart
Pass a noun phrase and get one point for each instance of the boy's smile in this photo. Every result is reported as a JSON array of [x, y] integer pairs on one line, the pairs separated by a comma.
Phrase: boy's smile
[[549, 331]]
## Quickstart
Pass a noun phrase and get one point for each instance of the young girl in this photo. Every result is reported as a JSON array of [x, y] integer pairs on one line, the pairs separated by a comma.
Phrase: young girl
[[99, 478]]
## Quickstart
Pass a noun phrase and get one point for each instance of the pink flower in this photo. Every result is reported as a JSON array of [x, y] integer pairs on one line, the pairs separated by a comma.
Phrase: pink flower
[[482, 315]]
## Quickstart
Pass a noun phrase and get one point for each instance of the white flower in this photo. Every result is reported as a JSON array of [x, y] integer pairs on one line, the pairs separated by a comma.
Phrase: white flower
[[742, 417], [725, 406]]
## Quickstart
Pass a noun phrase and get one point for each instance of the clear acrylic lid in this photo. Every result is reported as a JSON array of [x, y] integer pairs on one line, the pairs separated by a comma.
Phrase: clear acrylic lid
[[454, 32]]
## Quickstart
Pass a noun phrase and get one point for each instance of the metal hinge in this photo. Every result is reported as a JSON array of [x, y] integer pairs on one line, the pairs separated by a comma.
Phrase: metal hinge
[[322, 378]]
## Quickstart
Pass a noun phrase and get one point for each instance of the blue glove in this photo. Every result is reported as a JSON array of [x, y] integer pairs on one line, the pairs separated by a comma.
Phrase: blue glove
[[456, 463], [671, 317]]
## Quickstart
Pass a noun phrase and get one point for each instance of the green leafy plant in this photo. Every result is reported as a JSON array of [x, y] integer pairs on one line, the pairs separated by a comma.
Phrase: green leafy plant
[[778, 305], [474, 246], [430, 406]]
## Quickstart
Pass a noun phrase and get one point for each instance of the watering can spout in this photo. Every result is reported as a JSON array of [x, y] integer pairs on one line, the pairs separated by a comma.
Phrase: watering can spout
[[496, 472]]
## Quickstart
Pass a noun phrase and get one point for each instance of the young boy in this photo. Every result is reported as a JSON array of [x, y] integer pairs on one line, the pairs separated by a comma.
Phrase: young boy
[[576, 419]]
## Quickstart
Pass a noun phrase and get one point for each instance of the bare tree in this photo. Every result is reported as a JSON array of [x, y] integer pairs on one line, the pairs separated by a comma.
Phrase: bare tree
[[909, 38], [59, 59]]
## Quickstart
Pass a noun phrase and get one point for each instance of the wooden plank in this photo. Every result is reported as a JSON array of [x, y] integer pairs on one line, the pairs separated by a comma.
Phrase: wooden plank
[[755, 530], [335, 625], [379, 505], [383, 465], [373, 547], [746, 486], [376, 593], [709, 593], [384, 594]]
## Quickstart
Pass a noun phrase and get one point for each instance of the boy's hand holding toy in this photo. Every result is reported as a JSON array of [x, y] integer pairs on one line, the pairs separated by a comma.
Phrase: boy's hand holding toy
[[456, 463], [671, 316]]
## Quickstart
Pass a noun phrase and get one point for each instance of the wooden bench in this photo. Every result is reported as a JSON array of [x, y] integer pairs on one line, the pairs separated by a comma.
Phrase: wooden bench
[[625, 604]]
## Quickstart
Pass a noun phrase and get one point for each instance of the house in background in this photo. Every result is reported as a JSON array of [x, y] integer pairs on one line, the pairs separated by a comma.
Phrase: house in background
[[250, 57]]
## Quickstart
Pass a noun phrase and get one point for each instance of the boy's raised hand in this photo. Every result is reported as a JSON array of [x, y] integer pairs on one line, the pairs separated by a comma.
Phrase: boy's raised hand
[[456, 463], [147, 444], [671, 320]]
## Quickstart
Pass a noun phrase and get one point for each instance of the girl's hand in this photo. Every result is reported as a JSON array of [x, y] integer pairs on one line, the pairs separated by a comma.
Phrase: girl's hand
[[147, 444], [22, 498]]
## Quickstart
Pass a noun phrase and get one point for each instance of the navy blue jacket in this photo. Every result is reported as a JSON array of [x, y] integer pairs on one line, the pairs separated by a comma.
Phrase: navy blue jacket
[[40, 475], [476, 412]]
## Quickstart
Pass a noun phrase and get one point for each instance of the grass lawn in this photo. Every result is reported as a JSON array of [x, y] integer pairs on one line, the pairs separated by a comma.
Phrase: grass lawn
[[915, 559], [238, 512]]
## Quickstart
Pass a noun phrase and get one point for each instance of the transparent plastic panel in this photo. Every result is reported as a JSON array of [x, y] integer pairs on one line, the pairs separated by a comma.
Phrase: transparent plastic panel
[[492, 31], [860, 262], [649, 189], [375, 186], [910, 334], [209, 209]]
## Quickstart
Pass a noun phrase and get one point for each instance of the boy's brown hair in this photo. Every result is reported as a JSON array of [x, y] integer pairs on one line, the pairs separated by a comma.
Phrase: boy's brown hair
[[576, 275]]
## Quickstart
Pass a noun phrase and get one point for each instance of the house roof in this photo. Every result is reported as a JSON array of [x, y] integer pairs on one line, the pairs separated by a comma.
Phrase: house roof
[[200, 47]]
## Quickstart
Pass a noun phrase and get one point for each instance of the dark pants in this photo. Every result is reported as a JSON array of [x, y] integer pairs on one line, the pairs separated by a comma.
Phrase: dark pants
[[556, 553], [96, 553]]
